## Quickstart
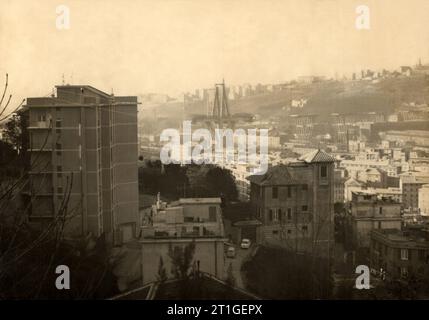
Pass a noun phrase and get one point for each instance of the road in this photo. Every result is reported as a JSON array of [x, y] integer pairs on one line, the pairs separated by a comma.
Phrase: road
[[240, 256]]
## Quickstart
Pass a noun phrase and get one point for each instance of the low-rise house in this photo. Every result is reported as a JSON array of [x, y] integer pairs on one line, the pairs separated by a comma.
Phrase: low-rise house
[[373, 176], [178, 224], [400, 254], [369, 212]]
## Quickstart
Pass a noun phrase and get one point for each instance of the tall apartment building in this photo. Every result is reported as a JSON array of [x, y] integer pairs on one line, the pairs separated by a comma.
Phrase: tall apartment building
[[83, 145], [295, 203]]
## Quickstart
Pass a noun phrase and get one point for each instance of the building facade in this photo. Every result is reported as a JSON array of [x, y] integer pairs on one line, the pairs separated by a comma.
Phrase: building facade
[[83, 145], [424, 200], [178, 224], [368, 212], [400, 254], [339, 186], [295, 204], [410, 185]]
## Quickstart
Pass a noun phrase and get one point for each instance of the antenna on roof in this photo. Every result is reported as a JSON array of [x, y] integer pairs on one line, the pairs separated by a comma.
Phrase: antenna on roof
[[63, 80]]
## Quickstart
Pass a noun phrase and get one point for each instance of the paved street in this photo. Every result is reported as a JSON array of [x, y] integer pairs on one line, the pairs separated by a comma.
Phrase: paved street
[[240, 256]]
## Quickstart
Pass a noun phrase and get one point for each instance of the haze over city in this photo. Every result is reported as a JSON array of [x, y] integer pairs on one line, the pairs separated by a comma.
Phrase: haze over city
[[214, 150], [176, 46]]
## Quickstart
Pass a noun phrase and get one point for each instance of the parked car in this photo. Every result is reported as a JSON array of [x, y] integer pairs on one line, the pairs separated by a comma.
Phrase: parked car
[[245, 243], [230, 253]]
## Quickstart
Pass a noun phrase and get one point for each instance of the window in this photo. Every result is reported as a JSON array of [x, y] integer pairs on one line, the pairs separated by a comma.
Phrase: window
[[271, 215], [280, 214], [196, 230], [304, 187], [59, 189], [323, 172], [58, 126], [380, 210], [275, 192], [212, 213], [289, 213], [289, 192], [422, 255], [275, 232], [58, 148], [404, 272], [289, 231], [404, 254], [59, 171], [304, 208], [304, 229], [41, 118], [276, 217]]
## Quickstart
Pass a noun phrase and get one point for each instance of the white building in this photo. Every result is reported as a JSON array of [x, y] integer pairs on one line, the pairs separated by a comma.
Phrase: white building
[[424, 200]]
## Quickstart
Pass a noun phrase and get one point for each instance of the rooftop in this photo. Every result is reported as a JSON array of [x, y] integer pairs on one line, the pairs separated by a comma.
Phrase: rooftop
[[411, 178], [204, 286], [83, 86], [395, 235], [199, 201], [415, 133], [79, 95], [277, 175], [317, 156]]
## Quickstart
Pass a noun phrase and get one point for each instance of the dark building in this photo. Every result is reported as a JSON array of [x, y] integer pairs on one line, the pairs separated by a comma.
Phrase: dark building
[[295, 203], [400, 254]]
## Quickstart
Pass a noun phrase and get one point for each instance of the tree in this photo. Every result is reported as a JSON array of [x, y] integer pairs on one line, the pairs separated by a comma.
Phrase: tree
[[162, 273], [8, 157], [16, 133], [230, 280], [183, 269], [177, 181], [182, 260], [16, 129], [222, 183], [211, 181], [170, 182], [29, 255]]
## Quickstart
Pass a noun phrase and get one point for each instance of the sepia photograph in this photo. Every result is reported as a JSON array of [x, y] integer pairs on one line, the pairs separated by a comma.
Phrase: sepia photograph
[[204, 150]]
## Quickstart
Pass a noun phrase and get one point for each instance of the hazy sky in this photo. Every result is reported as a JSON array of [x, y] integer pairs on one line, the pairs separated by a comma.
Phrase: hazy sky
[[138, 47]]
